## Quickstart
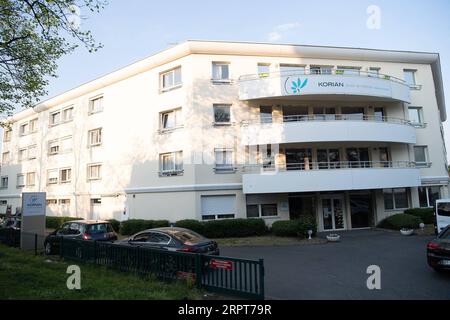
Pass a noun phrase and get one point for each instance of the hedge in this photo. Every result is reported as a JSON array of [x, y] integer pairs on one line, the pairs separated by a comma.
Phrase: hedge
[[231, 228], [399, 221], [56, 222], [425, 214], [191, 224], [115, 224], [295, 228], [133, 226]]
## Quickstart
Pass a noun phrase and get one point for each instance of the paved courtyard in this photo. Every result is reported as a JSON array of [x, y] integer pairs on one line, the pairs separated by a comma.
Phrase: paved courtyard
[[338, 270]]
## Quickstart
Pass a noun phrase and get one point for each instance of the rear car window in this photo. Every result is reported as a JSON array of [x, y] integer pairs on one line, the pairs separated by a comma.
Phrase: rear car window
[[98, 228], [443, 209], [188, 236]]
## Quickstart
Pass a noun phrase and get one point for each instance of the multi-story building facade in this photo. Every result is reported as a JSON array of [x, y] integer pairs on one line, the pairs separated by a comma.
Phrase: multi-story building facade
[[216, 130]]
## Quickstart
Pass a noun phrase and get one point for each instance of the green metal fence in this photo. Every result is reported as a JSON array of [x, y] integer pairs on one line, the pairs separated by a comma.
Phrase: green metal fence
[[10, 237], [235, 276]]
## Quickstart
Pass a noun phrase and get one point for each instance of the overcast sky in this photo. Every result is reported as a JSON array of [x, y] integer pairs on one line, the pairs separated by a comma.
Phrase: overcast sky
[[131, 30]]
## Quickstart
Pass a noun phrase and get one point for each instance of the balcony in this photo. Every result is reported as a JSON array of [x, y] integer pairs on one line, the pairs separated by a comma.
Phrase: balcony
[[336, 84], [323, 128], [330, 176]]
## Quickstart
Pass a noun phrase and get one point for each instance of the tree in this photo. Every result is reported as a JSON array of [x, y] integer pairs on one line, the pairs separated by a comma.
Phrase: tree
[[34, 34]]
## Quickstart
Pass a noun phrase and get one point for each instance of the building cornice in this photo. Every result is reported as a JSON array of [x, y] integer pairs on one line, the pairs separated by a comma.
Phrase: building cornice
[[186, 188], [246, 49]]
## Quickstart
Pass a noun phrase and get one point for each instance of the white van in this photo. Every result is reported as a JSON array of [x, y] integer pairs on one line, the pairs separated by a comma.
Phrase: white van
[[442, 213]]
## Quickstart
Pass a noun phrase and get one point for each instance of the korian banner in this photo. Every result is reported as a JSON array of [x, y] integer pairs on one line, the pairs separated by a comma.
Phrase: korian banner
[[33, 204]]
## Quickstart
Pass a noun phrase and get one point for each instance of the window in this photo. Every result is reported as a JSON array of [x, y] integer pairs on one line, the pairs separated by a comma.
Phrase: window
[[65, 175], [358, 157], [415, 115], [52, 202], [33, 125], [23, 154], [53, 147], [379, 114], [348, 70], [265, 114], [52, 176], [171, 163], [421, 155], [395, 199], [20, 180], [95, 137], [7, 135], [410, 77], [221, 72], [94, 172], [321, 69], [286, 69], [64, 202], [3, 202], [428, 196], [96, 105], [32, 150], [170, 79], [31, 179], [222, 114], [24, 128], [263, 69], [171, 119], [5, 157], [224, 160], [55, 118], [4, 182], [374, 72], [66, 144], [218, 207], [262, 210], [68, 114]]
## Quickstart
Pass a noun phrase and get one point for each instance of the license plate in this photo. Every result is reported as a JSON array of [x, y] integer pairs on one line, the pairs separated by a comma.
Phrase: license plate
[[445, 262]]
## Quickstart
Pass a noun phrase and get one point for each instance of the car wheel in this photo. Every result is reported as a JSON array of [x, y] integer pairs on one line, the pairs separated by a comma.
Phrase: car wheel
[[48, 248]]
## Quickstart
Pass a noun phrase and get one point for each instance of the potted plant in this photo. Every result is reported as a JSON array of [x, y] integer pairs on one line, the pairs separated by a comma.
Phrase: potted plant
[[406, 231], [333, 237]]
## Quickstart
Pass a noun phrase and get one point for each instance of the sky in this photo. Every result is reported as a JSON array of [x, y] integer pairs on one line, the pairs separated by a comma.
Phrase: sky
[[134, 29]]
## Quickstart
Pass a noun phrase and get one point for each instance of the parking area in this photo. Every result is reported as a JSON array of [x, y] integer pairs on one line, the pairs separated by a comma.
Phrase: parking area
[[338, 270]]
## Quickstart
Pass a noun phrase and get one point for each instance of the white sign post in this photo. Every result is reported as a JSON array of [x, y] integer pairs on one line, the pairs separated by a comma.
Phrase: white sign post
[[33, 220]]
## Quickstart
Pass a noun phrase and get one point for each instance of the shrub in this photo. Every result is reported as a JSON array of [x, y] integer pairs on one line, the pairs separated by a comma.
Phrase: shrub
[[115, 224], [56, 222], [133, 226], [230, 228], [295, 228], [399, 221], [425, 214], [191, 224]]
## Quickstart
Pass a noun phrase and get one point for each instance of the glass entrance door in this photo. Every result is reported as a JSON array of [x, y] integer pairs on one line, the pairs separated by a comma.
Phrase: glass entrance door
[[333, 217]]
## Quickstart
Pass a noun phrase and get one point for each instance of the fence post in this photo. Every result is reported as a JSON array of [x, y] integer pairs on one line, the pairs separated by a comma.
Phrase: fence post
[[35, 243], [198, 270], [261, 279]]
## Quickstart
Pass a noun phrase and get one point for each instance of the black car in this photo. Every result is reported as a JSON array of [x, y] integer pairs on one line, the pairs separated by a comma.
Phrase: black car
[[79, 229], [173, 239], [438, 251]]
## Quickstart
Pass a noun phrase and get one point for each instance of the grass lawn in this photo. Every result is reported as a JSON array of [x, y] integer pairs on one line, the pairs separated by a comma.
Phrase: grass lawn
[[25, 276], [268, 240]]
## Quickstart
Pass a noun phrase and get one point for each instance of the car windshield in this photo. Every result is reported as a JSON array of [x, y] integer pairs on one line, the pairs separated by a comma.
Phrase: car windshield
[[188, 237], [97, 228], [445, 235]]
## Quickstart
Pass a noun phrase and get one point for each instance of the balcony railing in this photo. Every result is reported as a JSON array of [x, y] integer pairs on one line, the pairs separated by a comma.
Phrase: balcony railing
[[343, 72], [331, 165], [330, 117]]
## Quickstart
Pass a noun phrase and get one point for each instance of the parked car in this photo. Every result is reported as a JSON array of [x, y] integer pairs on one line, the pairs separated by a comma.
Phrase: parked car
[[173, 239], [438, 251], [79, 229]]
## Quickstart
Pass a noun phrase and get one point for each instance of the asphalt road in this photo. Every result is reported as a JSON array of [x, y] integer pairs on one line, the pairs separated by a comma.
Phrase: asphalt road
[[338, 270]]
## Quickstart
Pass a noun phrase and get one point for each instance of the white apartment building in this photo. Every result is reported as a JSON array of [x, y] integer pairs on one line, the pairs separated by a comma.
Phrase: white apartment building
[[216, 130]]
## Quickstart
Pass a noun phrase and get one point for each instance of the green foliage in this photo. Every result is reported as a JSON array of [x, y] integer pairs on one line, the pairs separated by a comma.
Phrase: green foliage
[[33, 36], [399, 221], [56, 222], [230, 228], [191, 224], [295, 228], [133, 226], [425, 214], [115, 224]]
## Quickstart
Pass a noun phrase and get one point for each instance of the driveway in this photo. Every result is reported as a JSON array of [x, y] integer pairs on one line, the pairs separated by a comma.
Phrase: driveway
[[338, 270]]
